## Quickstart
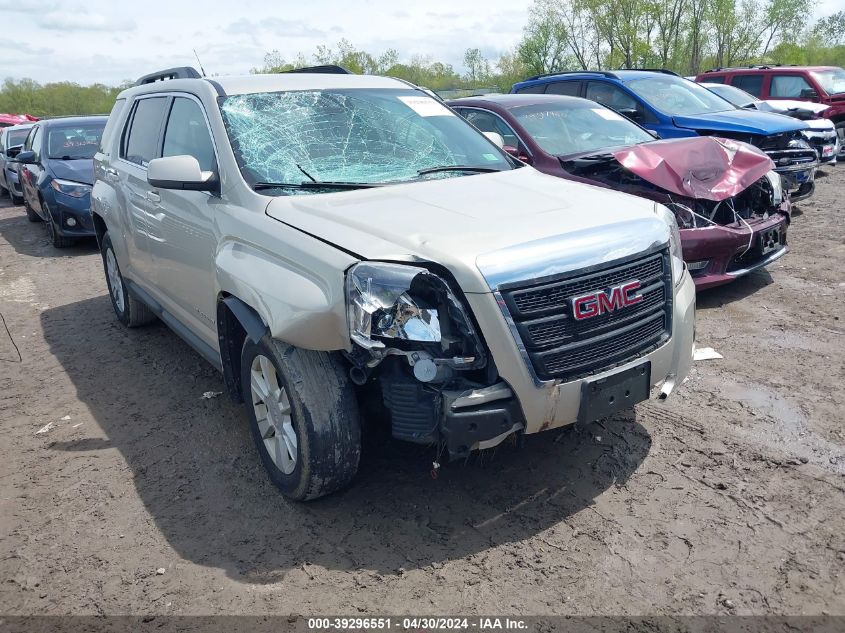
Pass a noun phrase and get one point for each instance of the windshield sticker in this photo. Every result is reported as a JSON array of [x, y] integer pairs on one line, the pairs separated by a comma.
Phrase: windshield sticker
[[604, 113], [426, 106], [491, 157]]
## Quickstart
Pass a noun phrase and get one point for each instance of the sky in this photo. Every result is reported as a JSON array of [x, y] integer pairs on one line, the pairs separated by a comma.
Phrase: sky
[[110, 42]]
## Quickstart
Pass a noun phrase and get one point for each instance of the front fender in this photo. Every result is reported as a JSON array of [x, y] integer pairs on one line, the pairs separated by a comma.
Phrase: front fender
[[301, 300]]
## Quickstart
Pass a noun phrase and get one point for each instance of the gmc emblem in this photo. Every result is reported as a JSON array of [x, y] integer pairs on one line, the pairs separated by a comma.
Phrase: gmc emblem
[[598, 302]]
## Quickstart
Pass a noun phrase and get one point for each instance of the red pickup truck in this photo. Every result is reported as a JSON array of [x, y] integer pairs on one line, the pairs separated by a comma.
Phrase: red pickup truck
[[822, 84]]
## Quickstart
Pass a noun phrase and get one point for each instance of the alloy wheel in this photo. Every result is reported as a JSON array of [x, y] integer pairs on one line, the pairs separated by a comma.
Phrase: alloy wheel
[[272, 408], [115, 282]]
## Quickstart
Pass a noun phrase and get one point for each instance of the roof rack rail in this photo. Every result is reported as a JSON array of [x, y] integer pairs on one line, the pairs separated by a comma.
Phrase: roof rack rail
[[326, 69], [665, 71], [180, 72], [751, 67], [605, 73]]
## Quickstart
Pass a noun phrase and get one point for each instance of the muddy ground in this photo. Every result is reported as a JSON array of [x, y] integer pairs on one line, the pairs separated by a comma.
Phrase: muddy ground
[[726, 499]]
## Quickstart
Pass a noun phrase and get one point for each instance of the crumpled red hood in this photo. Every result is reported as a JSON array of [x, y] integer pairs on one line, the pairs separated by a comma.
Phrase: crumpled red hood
[[701, 167]]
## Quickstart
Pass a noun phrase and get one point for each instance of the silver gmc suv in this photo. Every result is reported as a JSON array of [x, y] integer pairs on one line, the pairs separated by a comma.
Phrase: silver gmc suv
[[325, 239]]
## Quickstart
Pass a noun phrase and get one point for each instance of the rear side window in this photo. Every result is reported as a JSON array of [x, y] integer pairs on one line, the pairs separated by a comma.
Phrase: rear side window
[[790, 86], [141, 144], [108, 132], [714, 79], [187, 134], [536, 89], [752, 84], [569, 88]]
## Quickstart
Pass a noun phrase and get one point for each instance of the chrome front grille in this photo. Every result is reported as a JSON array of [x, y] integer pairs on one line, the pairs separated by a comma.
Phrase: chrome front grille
[[562, 347]]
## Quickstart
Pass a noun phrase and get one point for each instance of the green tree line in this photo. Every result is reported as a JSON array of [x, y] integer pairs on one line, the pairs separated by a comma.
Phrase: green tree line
[[53, 99], [686, 36]]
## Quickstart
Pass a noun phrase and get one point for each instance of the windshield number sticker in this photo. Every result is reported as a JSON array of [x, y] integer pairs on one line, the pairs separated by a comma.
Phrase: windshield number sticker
[[604, 113], [426, 106]]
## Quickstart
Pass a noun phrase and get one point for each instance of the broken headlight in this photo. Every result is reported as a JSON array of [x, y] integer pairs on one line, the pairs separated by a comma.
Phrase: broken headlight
[[674, 242], [381, 305], [777, 187]]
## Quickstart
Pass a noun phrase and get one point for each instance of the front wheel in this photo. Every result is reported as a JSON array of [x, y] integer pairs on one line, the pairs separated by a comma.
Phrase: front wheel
[[57, 240], [31, 215], [129, 310], [304, 417]]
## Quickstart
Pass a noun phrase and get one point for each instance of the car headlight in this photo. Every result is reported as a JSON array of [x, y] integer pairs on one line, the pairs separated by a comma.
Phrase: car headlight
[[70, 188], [777, 187], [674, 242], [382, 304]]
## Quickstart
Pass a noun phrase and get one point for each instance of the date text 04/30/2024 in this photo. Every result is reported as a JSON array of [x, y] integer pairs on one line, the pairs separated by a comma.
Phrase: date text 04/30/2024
[[424, 623]]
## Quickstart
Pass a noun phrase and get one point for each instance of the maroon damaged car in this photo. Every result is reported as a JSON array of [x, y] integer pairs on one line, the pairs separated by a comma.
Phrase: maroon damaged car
[[728, 202]]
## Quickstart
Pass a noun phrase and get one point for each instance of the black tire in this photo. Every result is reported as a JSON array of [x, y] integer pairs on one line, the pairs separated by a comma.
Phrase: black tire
[[31, 215], [132, 312], [324, 416], [57, 240], [16, 200]]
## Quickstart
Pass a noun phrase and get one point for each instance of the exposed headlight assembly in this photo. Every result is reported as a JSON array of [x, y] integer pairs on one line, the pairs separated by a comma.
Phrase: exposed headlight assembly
[[70, 188], [777, 187], [408, 307], [381, 308], [674, 242]]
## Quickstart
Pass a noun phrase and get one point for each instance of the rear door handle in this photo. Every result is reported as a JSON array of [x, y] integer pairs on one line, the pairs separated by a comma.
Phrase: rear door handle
[[111, 173], [153, 196]]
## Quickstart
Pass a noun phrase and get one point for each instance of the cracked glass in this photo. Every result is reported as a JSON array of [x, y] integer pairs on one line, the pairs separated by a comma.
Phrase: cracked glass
[[371, 137]]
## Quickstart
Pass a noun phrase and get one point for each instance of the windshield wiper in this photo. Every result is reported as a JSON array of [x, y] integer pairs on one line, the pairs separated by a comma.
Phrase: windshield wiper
[[315, 185], [434, 170]]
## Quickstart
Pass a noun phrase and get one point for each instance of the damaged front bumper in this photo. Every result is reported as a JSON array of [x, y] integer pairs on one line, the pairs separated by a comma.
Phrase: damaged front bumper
[[717, 254], [549, 404]]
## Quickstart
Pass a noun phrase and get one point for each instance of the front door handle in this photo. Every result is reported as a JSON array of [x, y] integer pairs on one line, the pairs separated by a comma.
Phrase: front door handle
[[111, 173], [153, 196]]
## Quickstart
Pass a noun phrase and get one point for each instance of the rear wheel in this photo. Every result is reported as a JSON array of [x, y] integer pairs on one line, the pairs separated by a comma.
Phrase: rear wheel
[[129, 310], [303, 415]]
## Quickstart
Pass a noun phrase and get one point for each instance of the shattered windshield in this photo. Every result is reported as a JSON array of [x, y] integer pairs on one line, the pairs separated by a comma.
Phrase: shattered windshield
[[366, 137], [577, 127], [678, 97], [832, 81]]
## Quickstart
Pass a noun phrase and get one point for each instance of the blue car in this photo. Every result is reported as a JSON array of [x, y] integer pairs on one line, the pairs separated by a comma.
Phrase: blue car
[[674, 107], [56, 171]]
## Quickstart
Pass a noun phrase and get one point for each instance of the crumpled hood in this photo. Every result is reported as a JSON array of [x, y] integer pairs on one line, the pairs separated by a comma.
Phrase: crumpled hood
[[701, 167], [81, 170], [453, 221], [741, 121], [783, 105]]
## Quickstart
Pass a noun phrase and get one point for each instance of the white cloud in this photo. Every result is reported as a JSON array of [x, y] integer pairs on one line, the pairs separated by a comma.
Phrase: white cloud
[[83, 21]]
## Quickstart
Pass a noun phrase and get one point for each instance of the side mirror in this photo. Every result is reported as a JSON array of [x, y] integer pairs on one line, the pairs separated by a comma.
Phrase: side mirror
[[514, 151], [27, 158], [496, 138], [809, 93], [13, 151], [180, 172]]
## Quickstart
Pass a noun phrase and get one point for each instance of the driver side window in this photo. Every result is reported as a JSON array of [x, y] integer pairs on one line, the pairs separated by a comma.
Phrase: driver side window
[[187, 134], [487, 122], [33, 141]]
